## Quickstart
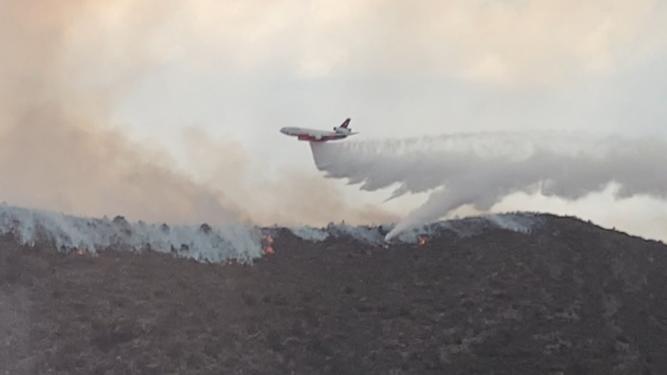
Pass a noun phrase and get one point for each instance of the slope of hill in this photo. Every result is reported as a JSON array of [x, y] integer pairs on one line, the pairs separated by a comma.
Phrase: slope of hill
[[565, 297]]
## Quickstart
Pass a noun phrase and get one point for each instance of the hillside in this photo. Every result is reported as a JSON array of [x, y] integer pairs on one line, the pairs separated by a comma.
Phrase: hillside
[[565, 297]]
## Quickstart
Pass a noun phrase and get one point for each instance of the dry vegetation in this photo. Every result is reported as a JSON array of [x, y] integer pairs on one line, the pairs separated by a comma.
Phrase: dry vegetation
[[570, 298]]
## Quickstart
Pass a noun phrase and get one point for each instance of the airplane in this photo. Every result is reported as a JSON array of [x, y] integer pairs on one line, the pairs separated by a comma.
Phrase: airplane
[[312, 135]]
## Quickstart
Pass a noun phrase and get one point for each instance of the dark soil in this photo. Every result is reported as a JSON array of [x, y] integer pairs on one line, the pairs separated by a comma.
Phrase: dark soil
[[569, 298]]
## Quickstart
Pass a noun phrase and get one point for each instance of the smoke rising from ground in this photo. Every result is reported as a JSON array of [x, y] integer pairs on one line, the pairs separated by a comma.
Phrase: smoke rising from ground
[[70, 233], [481, 169], [56, 150], [285, 196], [64, 66]]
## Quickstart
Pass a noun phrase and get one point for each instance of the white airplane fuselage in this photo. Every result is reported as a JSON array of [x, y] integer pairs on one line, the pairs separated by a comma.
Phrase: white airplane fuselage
[[314, 135]]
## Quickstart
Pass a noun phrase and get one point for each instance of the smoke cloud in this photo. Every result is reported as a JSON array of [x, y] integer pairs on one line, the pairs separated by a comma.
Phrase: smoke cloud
[[286, 196], [56, 148], [505, 42], [64, 67], [481, 169]]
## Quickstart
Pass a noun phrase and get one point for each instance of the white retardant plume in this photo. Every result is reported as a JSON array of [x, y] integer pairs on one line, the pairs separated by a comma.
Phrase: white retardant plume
[[481, 169], [67, 233]]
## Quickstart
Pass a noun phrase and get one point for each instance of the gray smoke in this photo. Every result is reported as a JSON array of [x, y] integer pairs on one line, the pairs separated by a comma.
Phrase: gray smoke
[[57, 151], [88, 235], [481, 169]]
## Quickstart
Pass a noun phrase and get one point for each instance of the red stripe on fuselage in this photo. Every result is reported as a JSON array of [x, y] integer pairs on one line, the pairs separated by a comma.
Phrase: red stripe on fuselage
[[310, 138]]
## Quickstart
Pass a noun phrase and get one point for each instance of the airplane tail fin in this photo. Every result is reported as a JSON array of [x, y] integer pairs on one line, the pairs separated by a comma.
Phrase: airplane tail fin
[[345, 124]]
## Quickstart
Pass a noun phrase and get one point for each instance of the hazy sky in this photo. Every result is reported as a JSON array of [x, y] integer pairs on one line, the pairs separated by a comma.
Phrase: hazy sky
[[228, 74], [240, 70]]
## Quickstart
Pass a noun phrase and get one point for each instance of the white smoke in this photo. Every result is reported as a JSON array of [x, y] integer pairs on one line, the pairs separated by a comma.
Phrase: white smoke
[[481, 169], [310, 234], [68, 233], [374, 235], [365, 234]]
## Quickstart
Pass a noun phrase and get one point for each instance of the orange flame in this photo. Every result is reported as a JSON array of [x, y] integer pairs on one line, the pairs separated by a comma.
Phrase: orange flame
[[422, 240]]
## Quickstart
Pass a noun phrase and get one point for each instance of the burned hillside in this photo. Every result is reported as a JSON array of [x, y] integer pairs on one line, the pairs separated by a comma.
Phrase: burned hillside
[[469, 297]]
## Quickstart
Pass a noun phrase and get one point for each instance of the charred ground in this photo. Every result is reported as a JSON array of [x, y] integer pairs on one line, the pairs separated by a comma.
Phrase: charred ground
[[567, 298]]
